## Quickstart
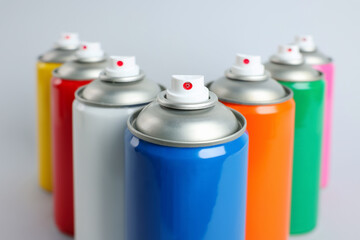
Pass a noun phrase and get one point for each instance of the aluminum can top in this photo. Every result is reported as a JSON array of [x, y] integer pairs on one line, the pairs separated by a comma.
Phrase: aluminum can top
[[187, 115], [64, 49], [288, 65], [89, 62], [126, 86], [309, 50], [316, 58], [252, 85]]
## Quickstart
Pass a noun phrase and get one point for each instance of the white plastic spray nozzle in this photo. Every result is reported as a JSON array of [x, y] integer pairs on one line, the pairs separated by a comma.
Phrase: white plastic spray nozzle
[[289, 53], [122, 66], [90, 50], [187, 89], [68, 40], [306, 43], [247, 65]]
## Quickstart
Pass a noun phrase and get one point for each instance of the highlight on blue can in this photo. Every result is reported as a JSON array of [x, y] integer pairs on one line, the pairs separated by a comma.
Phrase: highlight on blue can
[[186, 193], [186, 168]]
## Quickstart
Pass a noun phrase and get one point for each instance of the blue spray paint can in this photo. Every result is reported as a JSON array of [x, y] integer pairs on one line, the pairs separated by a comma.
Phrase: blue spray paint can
[[186, 160]]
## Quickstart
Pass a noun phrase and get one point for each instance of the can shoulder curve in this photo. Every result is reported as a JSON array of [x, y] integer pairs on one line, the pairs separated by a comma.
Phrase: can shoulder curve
[[118, 94], [293, 73], [260, 92], [58, 55], [316, 58], [187, 128], [79, 70]]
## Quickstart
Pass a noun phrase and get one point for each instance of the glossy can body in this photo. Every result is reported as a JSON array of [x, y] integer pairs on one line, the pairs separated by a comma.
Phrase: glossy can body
[[62, 97], [100, 113], [99, 170], [185, 193], [309, 100], [271, 131], [44, 74], [328, 71]]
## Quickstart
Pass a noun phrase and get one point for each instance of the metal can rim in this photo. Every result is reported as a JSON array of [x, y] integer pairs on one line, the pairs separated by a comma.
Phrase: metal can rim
[[323, 59], [233, 76], [71, 48], [40, 59], [104, 77], [289, 95], [108, 105], [277, 60], [242, 128], [163, 101], [319, 78], [93, 60]]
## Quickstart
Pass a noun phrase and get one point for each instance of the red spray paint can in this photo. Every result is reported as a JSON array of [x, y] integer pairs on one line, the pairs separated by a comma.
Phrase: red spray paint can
[[90, 61]]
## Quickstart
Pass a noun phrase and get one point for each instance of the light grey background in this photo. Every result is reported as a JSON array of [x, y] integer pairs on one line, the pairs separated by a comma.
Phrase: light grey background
[[171, 37]]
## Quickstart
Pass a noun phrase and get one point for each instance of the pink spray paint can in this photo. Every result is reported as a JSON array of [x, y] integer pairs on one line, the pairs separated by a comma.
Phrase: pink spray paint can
[[323, 63]]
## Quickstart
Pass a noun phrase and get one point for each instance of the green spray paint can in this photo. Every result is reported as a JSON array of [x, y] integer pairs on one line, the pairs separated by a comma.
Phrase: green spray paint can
[[287, 67]]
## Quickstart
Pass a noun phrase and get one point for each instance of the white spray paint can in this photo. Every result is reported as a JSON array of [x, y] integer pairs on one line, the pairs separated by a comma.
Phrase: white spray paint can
[[100, 113]]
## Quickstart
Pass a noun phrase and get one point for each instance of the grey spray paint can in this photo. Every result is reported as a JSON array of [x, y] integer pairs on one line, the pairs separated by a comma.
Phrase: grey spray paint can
[[100, 113]]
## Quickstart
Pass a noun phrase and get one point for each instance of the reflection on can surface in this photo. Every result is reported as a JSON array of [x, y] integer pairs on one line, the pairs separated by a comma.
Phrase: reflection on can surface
[[186, 193]]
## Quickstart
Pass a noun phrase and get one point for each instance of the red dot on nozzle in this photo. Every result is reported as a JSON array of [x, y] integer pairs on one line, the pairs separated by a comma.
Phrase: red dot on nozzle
[[304, 39], [187, 85], [67, 37], [120, 63], [246, 61], [289, 49], [84, 47]]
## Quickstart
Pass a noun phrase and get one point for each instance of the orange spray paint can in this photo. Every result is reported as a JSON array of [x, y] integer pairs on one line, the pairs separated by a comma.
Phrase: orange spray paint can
[[269, 109]]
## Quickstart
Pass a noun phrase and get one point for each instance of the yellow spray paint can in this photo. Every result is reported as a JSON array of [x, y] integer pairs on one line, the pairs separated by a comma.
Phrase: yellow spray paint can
[[63, 51]]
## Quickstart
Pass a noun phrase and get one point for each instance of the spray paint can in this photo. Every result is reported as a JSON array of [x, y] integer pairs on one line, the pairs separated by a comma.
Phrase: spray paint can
[[324, 64], [186, 166], [67, 79], [308, 86], [100, 113], [270, 114], [63, 51]]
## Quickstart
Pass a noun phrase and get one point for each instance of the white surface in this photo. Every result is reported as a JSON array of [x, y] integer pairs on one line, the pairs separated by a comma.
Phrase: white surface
[[289, 52], [187, 89], [99, 171], [89, 50], [247, 65], [121, 66], [305, 42], [68, 40], [171, 37]]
